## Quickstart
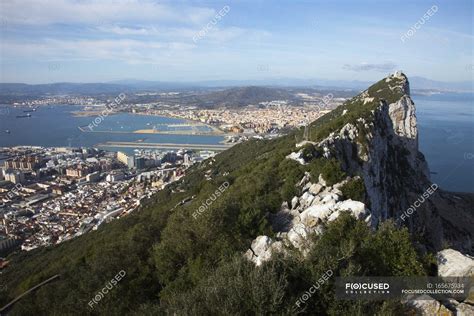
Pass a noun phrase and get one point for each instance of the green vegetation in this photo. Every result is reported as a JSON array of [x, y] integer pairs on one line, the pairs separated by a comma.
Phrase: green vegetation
[[354, 190], [330, 169], [348, 247], [309, 152]]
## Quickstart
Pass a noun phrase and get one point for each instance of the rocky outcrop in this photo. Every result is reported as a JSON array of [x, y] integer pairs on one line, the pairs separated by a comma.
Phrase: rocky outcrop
[[318, 205], [383, 148], [262, 249]]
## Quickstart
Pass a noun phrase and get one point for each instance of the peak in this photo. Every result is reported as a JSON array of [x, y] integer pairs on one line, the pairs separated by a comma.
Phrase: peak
[[389, 89]]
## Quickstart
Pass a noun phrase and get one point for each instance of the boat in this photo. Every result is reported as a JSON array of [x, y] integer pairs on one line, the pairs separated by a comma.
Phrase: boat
[[31, 110], [7, 131], [23, 116]]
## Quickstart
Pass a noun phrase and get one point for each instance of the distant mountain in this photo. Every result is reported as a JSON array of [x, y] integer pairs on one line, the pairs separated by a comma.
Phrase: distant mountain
[[153, 85], [424, 83], [21, 89], [60, 88], [417, 83]]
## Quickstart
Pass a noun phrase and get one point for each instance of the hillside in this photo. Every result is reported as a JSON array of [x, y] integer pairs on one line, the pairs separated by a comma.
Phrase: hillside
[[242, 96], [230, 98], [280, 216]]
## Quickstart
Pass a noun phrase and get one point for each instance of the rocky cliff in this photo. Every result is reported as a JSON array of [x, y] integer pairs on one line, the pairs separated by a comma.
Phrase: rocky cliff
[[374, 137]]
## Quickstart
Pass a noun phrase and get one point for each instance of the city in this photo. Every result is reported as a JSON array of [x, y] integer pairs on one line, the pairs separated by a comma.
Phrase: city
[[49, 195]]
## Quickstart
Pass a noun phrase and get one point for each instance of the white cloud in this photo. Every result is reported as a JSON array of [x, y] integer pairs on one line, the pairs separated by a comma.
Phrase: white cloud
[[370, 67], [89, 12], [125, 50]]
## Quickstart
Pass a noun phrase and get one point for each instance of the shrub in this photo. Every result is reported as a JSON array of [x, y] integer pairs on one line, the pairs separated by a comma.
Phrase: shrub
[[310, 152], [330, 169], [354, 190]]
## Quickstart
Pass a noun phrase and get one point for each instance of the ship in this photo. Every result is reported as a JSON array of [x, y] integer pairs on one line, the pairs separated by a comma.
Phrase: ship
[[30, 110], [23, 116]]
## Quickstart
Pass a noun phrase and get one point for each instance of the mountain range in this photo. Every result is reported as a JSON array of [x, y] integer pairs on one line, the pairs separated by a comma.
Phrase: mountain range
[[12, 89]]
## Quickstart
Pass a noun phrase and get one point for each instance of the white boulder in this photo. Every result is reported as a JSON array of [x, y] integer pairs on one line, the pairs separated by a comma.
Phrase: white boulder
[[297, 235], [315, 188], [320, 211], [330, 197], [356, 208], [454, 263], [425, 305], [296, 156], [294, 202], [464, 309], [260, 250], [321, 180], [306, 199]]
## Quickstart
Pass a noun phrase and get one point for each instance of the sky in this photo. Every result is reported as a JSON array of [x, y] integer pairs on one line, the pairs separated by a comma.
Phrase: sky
[[99, 41]]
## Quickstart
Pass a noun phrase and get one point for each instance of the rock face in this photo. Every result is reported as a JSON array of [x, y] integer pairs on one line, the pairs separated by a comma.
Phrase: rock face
[[318, 205], [452, 263], [389, 144], [383, 149]]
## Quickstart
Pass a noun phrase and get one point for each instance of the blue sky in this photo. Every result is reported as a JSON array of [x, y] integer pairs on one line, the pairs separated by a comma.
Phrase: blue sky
[[97, 41]]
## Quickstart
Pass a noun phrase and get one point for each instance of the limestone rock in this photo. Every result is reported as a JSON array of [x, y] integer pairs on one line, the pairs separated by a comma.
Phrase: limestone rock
[[357, 208], [294, 202], [322, 181], [321, 211], [306, 199], [297, 235], [463, 309], [454, 263], [427, 306], [305, 179], [262, 249], [297, 156], [330, 197], [315, 188]]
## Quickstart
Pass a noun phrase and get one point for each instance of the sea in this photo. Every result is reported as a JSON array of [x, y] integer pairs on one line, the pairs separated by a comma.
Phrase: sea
[[445, 126], [57, 126], [445, 136]]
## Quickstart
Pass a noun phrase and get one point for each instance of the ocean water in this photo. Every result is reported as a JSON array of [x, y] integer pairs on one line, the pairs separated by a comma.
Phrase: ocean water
[[446, 129], [445, 125], [55, 126]]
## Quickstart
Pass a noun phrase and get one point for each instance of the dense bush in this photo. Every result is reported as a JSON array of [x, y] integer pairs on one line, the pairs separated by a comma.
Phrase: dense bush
[[330, 169], [354, 189], [309, 152], [348, 247]]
